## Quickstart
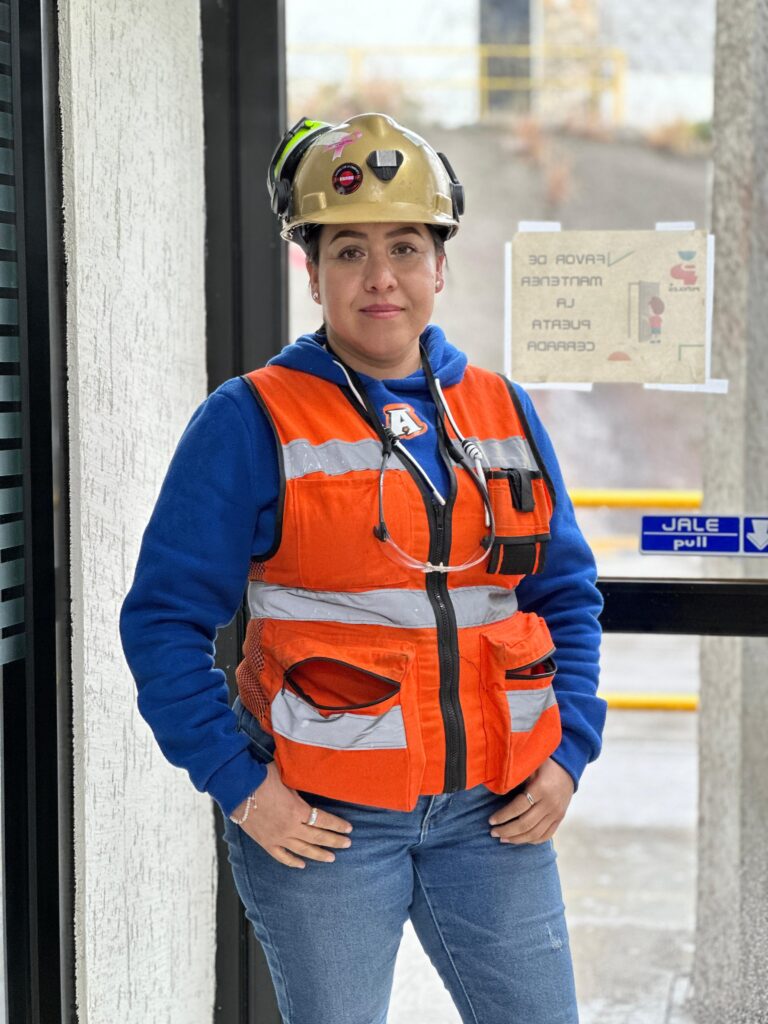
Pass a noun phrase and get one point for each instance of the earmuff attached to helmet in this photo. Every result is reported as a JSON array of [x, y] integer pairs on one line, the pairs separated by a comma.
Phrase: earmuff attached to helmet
[[457, 189], [286, 158]]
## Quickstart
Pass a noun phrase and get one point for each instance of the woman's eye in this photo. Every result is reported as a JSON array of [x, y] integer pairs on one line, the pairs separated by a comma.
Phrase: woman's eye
[[352, 252]]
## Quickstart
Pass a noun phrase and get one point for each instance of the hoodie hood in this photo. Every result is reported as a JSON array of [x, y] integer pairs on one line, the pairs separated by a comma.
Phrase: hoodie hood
[[309, 354]]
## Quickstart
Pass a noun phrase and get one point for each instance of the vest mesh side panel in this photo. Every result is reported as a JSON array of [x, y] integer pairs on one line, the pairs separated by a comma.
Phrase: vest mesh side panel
[[248, 672]]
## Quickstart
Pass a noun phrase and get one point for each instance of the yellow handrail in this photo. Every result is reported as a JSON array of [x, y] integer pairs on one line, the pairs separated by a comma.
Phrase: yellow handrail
[[595, 68], [651, 701], [623, 497]]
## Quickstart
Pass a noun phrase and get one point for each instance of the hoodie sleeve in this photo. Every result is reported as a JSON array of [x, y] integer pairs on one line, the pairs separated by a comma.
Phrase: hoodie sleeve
[[565, 595], [189, 580]]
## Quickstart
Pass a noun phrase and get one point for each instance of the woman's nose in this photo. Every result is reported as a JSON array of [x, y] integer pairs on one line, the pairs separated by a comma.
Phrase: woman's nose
[[379, 274]]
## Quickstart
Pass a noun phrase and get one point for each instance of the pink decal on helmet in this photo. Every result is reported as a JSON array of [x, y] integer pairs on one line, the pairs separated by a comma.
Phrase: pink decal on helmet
[[337, 145]]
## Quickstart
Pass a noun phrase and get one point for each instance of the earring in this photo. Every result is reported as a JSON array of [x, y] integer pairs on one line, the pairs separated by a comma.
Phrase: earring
[[315, 295]]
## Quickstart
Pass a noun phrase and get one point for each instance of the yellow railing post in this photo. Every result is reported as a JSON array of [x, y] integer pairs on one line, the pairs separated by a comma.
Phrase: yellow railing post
[[356, 58], [618, 86], [483, 81]]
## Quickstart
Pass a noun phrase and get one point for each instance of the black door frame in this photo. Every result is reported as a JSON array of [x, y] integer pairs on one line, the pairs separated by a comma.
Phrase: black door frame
[[246, 291], [38, 819], [244, 101], [710, 607]]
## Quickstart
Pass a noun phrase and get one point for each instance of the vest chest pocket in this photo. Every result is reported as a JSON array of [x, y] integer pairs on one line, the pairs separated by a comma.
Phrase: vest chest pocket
[[522, 509], [345, 721], [334, 519], [522, 720]]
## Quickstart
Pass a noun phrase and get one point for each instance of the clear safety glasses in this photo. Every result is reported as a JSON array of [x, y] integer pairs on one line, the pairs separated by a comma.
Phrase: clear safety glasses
[[466, 453], [393, 550]]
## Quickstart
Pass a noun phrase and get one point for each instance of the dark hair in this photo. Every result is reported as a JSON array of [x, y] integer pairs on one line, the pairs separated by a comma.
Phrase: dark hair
[[313, 242]]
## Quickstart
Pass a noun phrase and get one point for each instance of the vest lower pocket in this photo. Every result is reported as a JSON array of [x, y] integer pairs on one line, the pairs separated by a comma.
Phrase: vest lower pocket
[[522, 720], [346, 722]]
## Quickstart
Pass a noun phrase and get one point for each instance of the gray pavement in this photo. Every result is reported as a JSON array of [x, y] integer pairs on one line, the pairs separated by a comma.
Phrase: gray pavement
[[627, 857]]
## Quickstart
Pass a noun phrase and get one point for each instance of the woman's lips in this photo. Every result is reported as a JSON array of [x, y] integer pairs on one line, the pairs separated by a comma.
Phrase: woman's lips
[[382, 312]]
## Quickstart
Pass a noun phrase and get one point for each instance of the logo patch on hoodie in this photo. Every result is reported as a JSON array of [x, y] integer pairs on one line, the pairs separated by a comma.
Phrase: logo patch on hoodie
[[403, 421]]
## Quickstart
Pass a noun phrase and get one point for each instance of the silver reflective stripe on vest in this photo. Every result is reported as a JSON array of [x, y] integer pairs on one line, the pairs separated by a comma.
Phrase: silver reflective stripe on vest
[[410, 609], [299, 721], [525, 706], [508, 452], [335, 457]]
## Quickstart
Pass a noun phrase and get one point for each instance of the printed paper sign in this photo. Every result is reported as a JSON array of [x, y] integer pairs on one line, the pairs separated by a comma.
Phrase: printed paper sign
[[609, 306]]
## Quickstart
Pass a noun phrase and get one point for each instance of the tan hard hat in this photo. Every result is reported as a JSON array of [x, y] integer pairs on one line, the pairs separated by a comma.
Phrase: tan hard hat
[[366, 169]]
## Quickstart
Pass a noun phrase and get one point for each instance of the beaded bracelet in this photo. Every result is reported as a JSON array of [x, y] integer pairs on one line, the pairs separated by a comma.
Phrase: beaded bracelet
[[250, 802]]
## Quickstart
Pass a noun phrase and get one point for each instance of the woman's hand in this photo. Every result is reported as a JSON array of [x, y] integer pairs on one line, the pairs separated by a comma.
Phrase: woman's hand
[[551, 788], [277, 823]]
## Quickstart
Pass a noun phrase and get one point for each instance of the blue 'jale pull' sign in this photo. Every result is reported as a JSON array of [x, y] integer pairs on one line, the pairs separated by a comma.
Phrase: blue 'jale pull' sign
[[704, 535]]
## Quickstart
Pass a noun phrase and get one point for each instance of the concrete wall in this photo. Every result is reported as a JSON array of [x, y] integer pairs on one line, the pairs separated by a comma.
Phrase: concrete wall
[[131, 106], [731, 964], [670, 49]]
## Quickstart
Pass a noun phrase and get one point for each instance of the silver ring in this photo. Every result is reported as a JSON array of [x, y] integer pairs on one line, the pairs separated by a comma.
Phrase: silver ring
[[531, 801], [313, 817]]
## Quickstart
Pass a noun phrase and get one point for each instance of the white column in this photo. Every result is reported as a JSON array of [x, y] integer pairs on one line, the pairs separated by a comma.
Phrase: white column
[[133, 158], [731, 961]]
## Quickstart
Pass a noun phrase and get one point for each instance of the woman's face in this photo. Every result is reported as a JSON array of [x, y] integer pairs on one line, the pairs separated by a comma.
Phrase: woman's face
[[376, 284]]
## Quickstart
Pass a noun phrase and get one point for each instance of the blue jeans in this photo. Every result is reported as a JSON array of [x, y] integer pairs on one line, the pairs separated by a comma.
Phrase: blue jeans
[[489, 915]]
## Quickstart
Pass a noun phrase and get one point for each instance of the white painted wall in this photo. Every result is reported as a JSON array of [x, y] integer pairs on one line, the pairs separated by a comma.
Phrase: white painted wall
[[402, 23], [131, 106]]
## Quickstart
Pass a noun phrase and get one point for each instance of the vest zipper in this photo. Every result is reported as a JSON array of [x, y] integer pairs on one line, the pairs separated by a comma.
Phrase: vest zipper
[[455, 776], [448, 650]]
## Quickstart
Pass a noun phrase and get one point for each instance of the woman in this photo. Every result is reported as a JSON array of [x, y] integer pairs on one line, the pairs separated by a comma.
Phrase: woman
[[402, 733]]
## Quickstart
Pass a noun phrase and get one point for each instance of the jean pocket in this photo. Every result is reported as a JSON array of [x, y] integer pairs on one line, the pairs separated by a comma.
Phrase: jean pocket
[[262, 743], [520, 707]]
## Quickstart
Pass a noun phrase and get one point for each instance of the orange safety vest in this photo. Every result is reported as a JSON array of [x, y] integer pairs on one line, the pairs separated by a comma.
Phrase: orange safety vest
[[379, 682]]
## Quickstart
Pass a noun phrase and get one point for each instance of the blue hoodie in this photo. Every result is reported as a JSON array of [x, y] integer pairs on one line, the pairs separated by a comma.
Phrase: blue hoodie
[[216, 510]]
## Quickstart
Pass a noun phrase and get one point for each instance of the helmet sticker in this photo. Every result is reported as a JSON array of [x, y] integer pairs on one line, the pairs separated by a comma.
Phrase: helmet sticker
[[347, 179], [338, 140], [385, 163]]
